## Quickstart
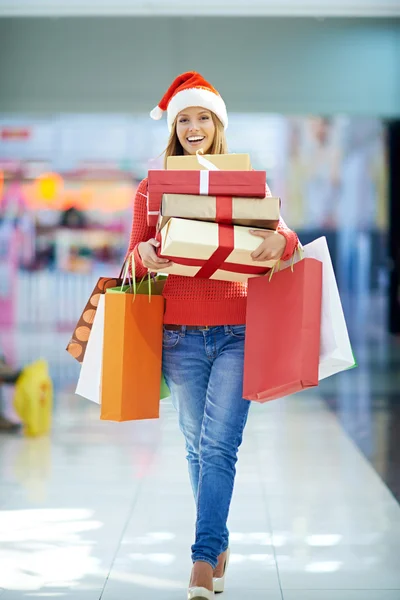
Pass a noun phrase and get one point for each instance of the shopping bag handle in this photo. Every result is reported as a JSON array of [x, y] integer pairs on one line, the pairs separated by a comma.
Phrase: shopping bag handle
[[133, 285], [124, 275], [277, 265]]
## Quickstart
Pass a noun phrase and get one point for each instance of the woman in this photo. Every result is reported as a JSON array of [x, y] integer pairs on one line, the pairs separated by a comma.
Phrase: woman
[[203, 345]]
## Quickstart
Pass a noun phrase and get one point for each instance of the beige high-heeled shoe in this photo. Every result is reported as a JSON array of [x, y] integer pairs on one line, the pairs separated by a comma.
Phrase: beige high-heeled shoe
[[219, 582], [200, 593]]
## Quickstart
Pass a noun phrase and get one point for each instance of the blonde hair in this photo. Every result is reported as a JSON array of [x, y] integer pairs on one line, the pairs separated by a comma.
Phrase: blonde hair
[[219, 145]]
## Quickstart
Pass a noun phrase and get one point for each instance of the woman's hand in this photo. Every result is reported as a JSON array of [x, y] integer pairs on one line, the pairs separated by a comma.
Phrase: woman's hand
[[272, 247], [149, 256]]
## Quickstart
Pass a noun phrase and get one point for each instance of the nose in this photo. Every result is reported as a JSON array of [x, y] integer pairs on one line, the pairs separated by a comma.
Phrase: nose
[[193, 126]]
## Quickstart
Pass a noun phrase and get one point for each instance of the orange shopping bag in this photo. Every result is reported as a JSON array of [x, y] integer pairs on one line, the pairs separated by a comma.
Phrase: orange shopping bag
[[132, 352]]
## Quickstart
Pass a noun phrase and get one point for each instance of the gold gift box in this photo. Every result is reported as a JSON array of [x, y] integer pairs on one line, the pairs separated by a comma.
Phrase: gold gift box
[[190, 244], [224, 162], [263, 213]]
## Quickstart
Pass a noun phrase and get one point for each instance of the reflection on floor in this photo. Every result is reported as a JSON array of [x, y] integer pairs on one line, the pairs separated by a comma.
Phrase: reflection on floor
[[366, 400], [104, 510]]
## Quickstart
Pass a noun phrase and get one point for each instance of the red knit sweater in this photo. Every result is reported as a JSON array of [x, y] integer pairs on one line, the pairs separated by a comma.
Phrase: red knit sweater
[[191, 301]]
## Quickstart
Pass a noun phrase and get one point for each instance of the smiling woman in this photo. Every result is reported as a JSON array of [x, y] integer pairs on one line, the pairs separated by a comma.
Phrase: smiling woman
[[196, 129], [204, 335]]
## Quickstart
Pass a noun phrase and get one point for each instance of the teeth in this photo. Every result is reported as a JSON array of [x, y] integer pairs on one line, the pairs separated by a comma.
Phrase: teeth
[[195, 139]]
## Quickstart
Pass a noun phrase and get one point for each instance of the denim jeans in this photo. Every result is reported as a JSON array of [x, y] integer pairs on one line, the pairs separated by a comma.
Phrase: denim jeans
[[204, 371]]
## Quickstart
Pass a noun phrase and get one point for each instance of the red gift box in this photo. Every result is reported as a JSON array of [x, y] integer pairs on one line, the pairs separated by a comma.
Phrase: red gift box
[[283, 327], [206, 183]]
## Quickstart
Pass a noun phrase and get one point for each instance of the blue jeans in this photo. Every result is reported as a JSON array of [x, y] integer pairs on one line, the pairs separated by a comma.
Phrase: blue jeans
[[204, 371]]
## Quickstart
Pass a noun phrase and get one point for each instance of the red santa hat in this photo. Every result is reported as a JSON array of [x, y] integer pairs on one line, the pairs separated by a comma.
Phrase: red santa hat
[[190, 89]]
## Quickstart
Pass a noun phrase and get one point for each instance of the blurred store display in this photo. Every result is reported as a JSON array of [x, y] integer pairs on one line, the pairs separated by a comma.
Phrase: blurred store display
[[67, 184]]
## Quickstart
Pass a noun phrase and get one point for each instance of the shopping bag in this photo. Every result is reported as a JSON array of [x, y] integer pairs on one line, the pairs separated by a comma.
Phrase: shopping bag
[[336, 353], [283, 326], [80, 337], [132, 352], [89, 382], [90, 376], [33, 400], [164, 389]]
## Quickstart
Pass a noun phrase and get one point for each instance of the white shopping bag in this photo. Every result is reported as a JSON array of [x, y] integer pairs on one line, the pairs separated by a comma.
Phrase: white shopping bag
[[335, 353], [89, 382]]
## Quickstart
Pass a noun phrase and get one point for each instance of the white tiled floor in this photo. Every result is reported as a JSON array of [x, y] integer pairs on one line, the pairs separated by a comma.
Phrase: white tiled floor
[[104, 510]]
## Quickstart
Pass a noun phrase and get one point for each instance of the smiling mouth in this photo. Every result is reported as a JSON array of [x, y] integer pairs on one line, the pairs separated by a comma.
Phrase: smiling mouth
[[195, 139]]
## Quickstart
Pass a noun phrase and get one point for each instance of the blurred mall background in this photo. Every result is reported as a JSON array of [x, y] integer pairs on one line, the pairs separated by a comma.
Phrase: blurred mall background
[[313, 92]]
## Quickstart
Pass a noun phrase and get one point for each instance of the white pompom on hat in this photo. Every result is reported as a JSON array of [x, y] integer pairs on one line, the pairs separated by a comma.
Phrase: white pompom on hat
[[190, 89]]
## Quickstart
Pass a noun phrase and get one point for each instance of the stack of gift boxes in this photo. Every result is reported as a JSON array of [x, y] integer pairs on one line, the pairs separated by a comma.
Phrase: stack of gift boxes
[[294, 319], [203, 208]]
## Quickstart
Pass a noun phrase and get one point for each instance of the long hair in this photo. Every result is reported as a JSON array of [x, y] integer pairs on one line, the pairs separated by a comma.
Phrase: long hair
[[219, 145]]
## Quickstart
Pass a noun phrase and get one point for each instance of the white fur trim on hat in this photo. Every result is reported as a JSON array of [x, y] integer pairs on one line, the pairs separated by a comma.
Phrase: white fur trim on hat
[[156, 113], [197, 97]]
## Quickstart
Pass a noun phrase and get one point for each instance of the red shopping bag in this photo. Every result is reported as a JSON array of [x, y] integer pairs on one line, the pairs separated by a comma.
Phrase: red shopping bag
[[283, 332]]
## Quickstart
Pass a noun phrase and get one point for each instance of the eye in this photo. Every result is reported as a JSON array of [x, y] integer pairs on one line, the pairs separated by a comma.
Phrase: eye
[[205, 118], [183, 120]]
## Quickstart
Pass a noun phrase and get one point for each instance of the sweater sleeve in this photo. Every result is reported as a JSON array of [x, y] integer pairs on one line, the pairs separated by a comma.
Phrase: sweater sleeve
[[141, 232], [292, 240]]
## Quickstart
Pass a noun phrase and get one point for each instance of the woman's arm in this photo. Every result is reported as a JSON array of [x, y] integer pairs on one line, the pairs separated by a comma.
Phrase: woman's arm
[[141, 232], [290, 236], [292, 241]]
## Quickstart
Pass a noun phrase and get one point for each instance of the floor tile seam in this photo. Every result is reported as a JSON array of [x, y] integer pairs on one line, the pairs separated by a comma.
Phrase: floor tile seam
[[268, 519], [121, 537], [291, 590]]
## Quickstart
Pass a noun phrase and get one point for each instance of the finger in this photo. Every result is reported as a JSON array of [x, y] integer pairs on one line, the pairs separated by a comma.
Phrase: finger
[[166, 265], [153, 256], [157, 267], [264, 256], [149, 264], [155, 260], [154, 243], [260, 233], [161, 260], [257, 252]]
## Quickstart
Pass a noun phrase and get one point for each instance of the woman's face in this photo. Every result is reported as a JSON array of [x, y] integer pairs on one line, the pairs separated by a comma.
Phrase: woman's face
[[195, 129]]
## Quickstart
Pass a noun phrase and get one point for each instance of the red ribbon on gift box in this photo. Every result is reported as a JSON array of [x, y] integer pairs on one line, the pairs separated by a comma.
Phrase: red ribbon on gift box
[[224, 210], [226, 238], [226, 245], [225, 266]]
